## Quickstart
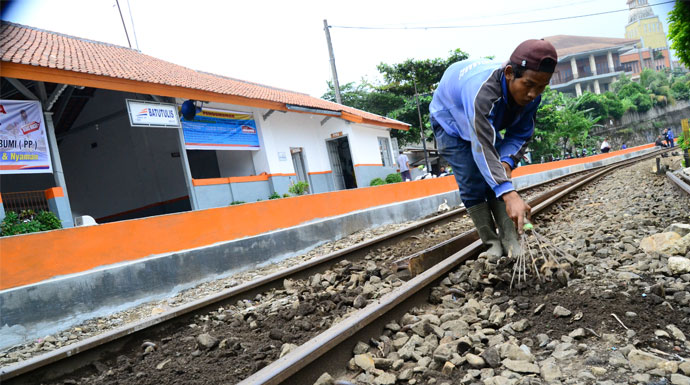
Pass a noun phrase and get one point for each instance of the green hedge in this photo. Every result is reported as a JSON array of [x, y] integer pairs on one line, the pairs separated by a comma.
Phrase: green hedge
[[393, 178], [28, 222], [377, 182]]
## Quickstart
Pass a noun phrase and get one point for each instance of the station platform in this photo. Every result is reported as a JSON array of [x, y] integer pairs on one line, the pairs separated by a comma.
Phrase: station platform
[[53, 280]]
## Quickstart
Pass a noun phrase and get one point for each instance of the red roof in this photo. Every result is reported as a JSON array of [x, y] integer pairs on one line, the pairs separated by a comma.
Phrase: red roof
[[36, 47]]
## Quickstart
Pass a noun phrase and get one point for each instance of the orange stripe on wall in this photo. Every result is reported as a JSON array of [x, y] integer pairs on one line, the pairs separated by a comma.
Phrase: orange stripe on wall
[[54, 192], [32, 258], [320, 172], [369, 164], [536, 168]]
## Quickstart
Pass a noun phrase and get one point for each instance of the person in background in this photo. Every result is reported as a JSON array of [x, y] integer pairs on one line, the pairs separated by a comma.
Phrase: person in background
[[605, 147], [404, 165], [659, 142], [669, 137]]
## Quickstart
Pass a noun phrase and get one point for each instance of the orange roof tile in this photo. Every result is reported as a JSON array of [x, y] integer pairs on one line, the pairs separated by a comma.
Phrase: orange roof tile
[[36, 47]]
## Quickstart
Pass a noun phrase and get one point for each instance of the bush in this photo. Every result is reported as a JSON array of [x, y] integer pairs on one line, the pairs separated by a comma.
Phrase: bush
[[299, 188], [393, 178], [275, 195], [236, 203], [377, 182], [286, 195], [28, 222]]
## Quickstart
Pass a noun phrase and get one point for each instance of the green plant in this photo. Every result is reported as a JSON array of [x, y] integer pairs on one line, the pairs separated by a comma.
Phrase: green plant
[[393, 178], [299, 188], [286, 195], [275, 195], [28, 221], [377, 182], [683, 142], [236, 203]]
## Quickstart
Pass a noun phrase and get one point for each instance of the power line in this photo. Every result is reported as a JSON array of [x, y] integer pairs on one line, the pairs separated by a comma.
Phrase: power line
[[493, 16], [496, 24]]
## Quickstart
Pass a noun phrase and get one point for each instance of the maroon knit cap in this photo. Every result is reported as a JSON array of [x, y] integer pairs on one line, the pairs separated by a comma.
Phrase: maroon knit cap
[[536, 55]]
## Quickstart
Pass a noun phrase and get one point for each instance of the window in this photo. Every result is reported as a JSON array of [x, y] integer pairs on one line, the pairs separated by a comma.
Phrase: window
[[384, 149]]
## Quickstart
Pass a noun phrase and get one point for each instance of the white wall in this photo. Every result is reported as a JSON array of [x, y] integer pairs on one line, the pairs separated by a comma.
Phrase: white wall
[[282, 131], [235, 163], [364, 144], [130, 167]]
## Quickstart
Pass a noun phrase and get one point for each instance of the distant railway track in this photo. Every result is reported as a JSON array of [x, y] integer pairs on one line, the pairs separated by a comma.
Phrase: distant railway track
[[430, 264]]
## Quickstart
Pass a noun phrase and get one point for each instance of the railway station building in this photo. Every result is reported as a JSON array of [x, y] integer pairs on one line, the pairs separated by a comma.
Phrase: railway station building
[[113, 158]]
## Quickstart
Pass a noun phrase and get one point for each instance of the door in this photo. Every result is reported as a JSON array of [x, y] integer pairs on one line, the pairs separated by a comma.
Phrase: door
[[336, 167], [341, 163], [298, 163]]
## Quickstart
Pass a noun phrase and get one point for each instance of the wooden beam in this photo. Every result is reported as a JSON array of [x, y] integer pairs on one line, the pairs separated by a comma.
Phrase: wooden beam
[[42, 91], [29, 72], [21, 88]]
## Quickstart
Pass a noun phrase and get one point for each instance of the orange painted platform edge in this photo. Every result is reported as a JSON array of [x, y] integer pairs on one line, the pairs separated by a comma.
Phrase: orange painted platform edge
[[31, 258]]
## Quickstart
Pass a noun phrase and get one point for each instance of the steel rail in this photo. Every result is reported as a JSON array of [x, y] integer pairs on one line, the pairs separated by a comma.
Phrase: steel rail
[[80, 354], [681, 181], [305, 363]]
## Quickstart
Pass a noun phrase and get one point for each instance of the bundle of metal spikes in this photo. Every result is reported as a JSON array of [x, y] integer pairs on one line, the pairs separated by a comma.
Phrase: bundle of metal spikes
[[539, 254]]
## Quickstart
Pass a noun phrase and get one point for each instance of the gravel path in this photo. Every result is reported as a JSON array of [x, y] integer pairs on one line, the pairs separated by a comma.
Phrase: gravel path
[[474, 330], [103, 324]]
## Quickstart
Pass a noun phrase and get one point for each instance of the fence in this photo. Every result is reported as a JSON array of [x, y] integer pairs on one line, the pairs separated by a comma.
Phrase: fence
[[25, 200]]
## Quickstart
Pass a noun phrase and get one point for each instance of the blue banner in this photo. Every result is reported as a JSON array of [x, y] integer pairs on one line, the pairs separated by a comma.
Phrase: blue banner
[[220, 130]]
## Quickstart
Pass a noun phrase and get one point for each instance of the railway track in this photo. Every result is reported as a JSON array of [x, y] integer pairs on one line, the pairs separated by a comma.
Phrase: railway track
[[430, 264], [681, 180]]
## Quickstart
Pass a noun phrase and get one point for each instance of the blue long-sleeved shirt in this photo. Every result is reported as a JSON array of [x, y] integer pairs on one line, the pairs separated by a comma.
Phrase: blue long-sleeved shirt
[[471, 102]]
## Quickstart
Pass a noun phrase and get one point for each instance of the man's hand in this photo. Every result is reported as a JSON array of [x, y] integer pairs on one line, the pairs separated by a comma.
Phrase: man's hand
[[517, 209], [508, 170]]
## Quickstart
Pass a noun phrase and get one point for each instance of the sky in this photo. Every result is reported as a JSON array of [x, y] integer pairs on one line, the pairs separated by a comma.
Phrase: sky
[[282, 43]]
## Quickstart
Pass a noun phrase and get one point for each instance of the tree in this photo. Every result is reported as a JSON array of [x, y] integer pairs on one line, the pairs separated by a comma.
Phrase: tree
[[395, 97], [679, 30]]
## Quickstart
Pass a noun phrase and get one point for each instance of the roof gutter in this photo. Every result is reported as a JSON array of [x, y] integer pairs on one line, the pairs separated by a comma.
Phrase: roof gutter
[[310, 110]]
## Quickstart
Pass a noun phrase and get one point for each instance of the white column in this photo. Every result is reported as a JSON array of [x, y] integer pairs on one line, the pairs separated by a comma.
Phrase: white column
[[573, 65], [58, 174], [597, 90], [578, 90], [191, 190], [609, 58], [592, 64]]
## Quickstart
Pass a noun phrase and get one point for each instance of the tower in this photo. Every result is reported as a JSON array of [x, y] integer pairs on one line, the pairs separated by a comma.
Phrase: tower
[[643, 24]]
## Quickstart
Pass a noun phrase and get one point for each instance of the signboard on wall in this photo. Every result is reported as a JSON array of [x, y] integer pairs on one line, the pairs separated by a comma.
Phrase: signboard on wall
[[213, 129], [152, 114], [23, 138]]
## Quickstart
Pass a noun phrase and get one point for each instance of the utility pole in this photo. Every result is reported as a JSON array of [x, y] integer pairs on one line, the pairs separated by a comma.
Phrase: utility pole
[[336, 86], [123, 23], [421, 126]]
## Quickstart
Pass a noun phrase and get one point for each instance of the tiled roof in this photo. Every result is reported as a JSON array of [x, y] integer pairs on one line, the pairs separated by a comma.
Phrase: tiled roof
[[32, 46], [568, 44]]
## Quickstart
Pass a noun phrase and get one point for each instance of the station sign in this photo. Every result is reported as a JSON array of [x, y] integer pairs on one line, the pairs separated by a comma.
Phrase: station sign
[[214, 129], [152, 114], [23, 138], [336, 134]]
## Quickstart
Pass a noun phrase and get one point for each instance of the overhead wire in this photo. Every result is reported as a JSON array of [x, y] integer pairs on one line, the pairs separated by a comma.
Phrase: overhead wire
[[494, 24]]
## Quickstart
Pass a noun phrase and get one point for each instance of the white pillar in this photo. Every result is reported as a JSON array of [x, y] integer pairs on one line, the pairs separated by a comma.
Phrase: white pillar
[[58, 174], [578, 90], [191, 190], [609, 58], [592, 64], [573, 65], [597, 90]]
